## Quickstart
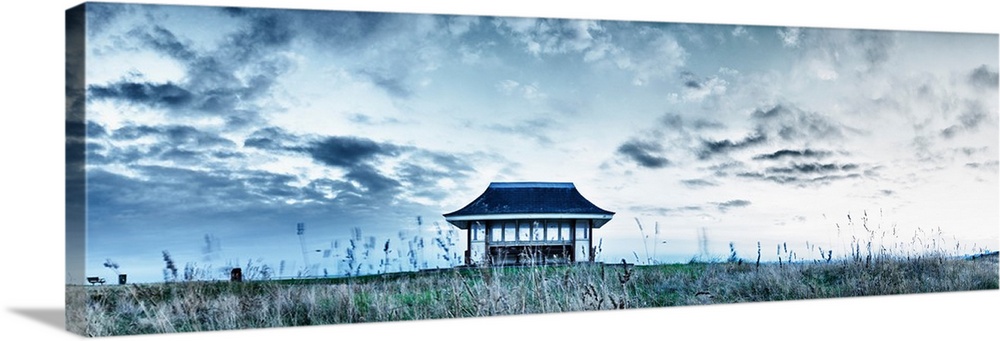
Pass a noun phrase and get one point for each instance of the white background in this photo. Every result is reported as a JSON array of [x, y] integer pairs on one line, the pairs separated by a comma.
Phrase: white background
[[32, 133]]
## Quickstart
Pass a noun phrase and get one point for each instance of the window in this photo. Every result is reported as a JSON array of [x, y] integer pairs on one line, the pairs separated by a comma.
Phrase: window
[[582, 230], [552, 231], [478, 232], [509, 233], [496, 232], [524, 231], [537, 231]]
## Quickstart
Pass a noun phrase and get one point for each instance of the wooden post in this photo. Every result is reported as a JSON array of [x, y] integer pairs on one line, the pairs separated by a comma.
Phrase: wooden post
[[590, 240], [572, 241], [468, 246]]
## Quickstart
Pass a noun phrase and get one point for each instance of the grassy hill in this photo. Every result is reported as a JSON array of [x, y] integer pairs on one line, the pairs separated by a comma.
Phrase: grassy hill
[[470, 292]]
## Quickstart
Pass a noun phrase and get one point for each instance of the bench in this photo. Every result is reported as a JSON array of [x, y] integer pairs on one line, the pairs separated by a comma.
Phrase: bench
[[95, 280]]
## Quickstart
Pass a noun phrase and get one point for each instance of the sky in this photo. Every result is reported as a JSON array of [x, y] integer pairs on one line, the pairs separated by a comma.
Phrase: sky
[[211, 132]]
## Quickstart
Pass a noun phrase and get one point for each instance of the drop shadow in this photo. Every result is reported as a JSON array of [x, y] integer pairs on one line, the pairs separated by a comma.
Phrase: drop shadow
[[53, 317]]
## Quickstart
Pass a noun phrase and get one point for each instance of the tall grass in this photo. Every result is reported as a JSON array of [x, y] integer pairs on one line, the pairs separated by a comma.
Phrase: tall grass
[[880, 262], [456, 293]]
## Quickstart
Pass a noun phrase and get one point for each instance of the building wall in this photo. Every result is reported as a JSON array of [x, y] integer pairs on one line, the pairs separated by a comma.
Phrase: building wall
[[508, 240]]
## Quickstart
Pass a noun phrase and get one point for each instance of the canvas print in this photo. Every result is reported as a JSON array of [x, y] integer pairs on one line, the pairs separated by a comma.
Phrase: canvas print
[[234, 168]]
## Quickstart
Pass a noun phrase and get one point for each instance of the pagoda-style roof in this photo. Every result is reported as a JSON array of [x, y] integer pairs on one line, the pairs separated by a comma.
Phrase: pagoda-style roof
[[529, 200]]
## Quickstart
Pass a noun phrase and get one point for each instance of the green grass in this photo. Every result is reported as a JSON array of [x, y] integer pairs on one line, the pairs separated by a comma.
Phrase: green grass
[[472, 292]]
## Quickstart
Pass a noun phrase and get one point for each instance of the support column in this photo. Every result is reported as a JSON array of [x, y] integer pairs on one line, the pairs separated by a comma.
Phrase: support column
[[590, 240], [572, 241], [468, 246]]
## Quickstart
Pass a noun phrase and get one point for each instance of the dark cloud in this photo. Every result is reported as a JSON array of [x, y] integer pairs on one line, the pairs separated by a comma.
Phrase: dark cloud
[[394, 85], [799, 178], [177, 143], [701, 124], [875, 46], [698, 183], [373, 183], [723, 169], [424, 180], [792, 123], [167, 190], [99, 15], [349, 151], [162, 40], [804, 168], [450, 162], [984, 77], [267, 29], [724, 206], [710, 148], [675, 122], [970, 119], [228, 81], [690, 80], [991, 165], [274, 139], [166, 95], [646, 154], [786, 153], [345, 30], [175, 135], [367, 179]]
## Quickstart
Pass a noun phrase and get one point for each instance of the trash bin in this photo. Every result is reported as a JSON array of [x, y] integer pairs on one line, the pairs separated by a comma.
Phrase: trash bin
[[236, 275], [122, 279]]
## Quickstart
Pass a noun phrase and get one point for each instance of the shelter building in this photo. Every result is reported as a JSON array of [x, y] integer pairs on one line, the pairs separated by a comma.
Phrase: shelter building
[[520, 223]]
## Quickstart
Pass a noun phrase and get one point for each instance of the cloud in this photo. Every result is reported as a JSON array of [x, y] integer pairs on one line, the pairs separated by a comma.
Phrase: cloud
[[875, 47], [805, 168], [375, 172], [393, 84], [663, 211], [725, 206], [349, 151], [792, 176], [656, 58], [790, 36], [100, 16], [646, 154], [233, 80], [165, 95], [539, 36], [535, 129], [273, 139], [176, 135], [160, 39], [527, 91], [984, 77], [143, 144], [990, 165], [786, 153], [710, 148], [970, 119], [791, 123], [698, 183], [696, 90], [162, 191]]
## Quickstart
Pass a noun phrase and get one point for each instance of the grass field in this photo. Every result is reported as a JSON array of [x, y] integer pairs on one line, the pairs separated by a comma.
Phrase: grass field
[[470, 292]]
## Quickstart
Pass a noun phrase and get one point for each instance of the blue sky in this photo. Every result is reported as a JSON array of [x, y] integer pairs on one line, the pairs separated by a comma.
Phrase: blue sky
[[212, 132]]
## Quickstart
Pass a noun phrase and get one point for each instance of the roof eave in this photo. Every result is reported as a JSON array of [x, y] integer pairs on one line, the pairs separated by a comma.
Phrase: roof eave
[[462, 221]]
